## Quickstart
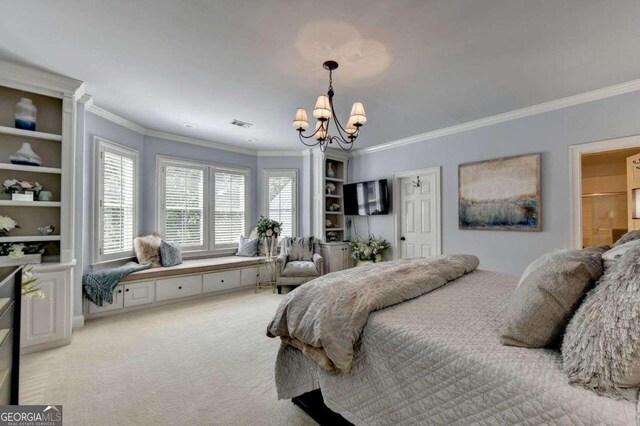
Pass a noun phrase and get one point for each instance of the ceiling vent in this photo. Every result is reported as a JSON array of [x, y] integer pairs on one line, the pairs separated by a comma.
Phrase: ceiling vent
[[241, 123]]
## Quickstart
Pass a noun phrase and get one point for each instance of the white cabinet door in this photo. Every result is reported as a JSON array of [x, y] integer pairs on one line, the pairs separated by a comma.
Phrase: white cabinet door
[[43, 320], [220, 280], [173, 288], [248, 276], [118, 296], [139, 293]]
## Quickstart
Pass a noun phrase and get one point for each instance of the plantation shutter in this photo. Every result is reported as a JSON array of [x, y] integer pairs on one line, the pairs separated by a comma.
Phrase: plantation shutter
[[230, 206], [184, 205], [281, 202], [118, 203]]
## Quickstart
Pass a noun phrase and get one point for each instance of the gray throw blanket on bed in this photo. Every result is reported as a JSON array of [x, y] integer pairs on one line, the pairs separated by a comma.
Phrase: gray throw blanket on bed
[[98, 285], [325, 317]]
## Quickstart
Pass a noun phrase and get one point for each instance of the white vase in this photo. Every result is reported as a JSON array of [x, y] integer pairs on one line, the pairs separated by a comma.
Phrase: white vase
[[26, 156], [330, 172], [25, 115]]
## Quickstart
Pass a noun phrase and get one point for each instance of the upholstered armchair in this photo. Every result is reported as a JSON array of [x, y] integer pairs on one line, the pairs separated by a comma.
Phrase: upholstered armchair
[[291, 273]]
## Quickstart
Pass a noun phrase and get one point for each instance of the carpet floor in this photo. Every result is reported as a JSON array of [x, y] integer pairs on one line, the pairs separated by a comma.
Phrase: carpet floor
[[200, 362]]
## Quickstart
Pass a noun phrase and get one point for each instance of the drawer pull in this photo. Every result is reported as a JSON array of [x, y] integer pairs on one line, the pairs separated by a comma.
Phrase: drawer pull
[[180, 288], [119, 291], [127, 290], [222, 280]]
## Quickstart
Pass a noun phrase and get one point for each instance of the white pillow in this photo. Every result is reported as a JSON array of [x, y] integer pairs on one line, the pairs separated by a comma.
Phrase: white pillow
[[610, 257]]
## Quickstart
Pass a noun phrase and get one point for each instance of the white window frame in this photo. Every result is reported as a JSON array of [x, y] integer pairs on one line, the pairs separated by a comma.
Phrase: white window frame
[[293, 173], [101, 146], [162, 164], [209, 246]]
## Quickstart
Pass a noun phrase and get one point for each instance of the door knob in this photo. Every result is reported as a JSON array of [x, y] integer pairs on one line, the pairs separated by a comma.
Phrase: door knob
[[402, 238]]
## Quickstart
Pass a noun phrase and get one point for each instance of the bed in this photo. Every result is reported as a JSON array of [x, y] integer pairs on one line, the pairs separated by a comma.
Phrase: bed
[[436, 360]]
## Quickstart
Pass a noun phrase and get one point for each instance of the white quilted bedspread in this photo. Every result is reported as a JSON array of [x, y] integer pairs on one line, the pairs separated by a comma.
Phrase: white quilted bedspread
[[436, 360]]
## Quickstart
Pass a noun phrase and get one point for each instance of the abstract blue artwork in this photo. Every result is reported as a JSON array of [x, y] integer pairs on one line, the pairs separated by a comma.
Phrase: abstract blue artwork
[[500, 195]]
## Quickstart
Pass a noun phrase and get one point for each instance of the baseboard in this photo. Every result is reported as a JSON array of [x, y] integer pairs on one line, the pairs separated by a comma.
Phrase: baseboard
[[78, 322]]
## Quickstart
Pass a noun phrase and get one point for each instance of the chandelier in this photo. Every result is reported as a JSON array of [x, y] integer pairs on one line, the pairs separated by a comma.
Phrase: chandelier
[[324, 111]]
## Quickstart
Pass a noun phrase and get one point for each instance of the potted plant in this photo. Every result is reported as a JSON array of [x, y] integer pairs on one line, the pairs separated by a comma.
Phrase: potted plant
[[268, 231], [30, 285], [22, 190], [368, 250], [12, 254]]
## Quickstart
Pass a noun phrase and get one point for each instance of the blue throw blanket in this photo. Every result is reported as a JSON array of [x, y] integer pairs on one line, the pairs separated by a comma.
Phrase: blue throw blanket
[[98, 285]]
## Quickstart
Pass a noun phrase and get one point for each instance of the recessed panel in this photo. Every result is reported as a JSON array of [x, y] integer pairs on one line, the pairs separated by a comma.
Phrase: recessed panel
[[425, 216], [409, 216]]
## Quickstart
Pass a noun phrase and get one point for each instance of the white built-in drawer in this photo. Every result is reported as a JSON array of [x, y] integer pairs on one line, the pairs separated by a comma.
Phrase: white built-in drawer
[[118, 297], [248, 276], [220, 280], [173, 288], [139, 293]]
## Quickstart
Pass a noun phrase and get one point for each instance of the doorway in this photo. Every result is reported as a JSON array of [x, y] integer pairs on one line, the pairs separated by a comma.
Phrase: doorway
[[417, 230], [603, 177]]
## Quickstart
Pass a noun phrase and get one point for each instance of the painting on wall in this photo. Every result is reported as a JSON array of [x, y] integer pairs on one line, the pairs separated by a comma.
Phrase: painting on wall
[[501, 194]]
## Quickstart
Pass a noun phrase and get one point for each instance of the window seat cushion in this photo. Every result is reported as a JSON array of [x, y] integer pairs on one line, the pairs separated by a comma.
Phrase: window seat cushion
[[195, 266]]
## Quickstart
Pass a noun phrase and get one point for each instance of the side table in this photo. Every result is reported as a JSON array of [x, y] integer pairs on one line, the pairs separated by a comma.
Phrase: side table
[[266, 276]]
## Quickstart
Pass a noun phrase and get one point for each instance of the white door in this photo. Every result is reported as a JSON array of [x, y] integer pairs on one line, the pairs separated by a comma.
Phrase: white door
[[418, 223], [43, 320]]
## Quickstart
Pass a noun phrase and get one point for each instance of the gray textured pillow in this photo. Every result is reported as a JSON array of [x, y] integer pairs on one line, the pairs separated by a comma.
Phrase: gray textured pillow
[[629, 236], [299, 248], [547, 295], [170, 253], [248, 246], [601, 347], [611, 257]]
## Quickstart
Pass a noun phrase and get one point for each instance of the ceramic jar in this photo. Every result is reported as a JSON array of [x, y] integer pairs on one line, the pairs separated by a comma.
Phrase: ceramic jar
[[25, 115], [26, 156]]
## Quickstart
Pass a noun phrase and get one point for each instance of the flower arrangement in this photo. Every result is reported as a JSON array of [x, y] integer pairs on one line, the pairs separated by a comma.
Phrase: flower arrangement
[[17, 251], [369, 249], [268, 227], [7, 225], [15, 185], [268, 231], [30, 286]]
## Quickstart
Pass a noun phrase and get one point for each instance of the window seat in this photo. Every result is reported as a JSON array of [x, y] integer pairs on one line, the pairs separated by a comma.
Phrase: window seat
[[195, 266], [191, 279]]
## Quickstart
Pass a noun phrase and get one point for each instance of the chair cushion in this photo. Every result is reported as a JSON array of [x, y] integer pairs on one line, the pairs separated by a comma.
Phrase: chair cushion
[[147, 249], [299, 268], [170, 253], [248, 246], [299, 248]]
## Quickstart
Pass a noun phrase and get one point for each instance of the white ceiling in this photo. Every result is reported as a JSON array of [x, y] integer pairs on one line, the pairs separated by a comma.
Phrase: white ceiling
[[417, 65]]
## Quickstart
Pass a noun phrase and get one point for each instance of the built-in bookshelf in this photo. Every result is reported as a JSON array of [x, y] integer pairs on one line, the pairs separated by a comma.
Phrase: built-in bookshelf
[[46, 141], [331, 170]]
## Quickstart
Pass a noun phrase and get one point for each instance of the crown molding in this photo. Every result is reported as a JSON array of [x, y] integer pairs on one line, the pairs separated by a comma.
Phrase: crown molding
[[289, 153], [38, 81], [201, 142], [594, 95], [101, 112]]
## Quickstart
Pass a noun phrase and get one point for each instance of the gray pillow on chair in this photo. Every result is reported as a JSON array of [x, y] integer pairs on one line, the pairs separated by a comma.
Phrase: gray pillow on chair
[[299, 248], [248, 246], [547, 295], [170, 253], [601, 347]]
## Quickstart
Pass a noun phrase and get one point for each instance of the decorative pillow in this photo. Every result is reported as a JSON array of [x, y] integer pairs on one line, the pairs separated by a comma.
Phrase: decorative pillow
[[262, 250], [248, 246], [547, 295], [601, 347], [147, 249], [629, 236], [170, 253], [611, 257], [299, 248]]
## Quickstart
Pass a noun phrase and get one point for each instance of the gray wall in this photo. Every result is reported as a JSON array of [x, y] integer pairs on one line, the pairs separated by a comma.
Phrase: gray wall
[[549, 133]]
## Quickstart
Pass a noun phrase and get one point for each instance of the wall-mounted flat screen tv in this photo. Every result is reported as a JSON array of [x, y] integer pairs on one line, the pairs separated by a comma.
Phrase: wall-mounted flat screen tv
[[366, 198]]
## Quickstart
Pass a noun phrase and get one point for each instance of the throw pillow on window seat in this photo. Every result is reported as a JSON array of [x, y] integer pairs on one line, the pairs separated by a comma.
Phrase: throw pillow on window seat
[[248, 246], [147, 249], [170, 253]]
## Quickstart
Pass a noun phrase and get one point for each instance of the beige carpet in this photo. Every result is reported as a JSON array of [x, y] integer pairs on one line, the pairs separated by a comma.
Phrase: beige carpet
[[203, 362]]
